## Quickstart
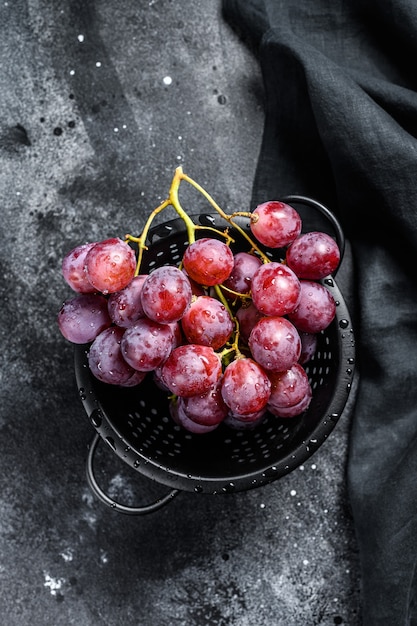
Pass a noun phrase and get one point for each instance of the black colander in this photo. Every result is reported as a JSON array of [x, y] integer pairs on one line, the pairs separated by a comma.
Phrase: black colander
[[136, 424]]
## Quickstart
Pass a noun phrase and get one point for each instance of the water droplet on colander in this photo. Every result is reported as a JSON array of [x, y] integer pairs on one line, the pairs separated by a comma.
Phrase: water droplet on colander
[[271, 471], [228, 488], [334, 417], [351, 360], [111, 443], [344, 323], [136, 463], [198, 489], [81, 391], [96, 418], [329, 282], [349, 371]]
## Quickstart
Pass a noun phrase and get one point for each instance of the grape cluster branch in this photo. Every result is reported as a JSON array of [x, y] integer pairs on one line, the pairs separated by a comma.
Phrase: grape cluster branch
[[191, 227]]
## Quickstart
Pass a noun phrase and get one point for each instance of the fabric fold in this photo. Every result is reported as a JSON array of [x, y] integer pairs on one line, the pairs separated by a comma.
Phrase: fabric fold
[[340, 126]]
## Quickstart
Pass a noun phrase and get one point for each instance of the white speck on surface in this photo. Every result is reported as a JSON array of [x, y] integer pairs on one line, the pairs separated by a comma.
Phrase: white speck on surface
[[54, 584], [313, 466], [72, 72], [179, 158], [103, 556], [91, 519], [87, 497], [262, 505], [301, 467], [116, 130], [67, 555], [80, 38], [305, 562], [167, 80], [293, 492], [98, 63]]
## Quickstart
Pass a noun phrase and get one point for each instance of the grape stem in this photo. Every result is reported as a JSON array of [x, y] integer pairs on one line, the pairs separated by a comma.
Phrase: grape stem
[[174, 201], [219, 210]]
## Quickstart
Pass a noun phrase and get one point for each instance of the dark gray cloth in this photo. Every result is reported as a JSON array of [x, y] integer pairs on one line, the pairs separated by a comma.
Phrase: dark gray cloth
[[341, 126]]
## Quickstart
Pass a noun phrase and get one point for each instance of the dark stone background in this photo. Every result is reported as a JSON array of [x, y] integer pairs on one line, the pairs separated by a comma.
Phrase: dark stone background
[[90, 136]]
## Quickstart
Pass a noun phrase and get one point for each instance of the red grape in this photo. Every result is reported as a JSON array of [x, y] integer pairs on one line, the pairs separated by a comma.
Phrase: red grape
[[291, 411], [289, 387], [125, 306], [198, 290], [237, 423], [208, 261], [308, 346], [275, 224], [106, 361], [191, 369], [275, 289], [146, 344], [248, 417], [82, 318], [313, 255], [245, 386], [136, 378], [244, 267], [275, 343], [179, 416], [166, 294], [110, 265], [247, 316], [73, 269], [207, 322], [207, 409], [176, 333], [316, 309]]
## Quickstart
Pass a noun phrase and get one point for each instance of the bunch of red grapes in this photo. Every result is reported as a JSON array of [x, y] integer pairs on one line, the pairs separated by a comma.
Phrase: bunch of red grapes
[[225, 334]]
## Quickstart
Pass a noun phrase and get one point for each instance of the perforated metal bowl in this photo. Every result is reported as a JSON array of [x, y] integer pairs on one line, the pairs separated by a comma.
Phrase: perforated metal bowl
[[135, 422]]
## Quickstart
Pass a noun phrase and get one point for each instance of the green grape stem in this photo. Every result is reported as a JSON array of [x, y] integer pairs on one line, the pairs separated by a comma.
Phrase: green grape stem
[[232, 350], [174, 201]]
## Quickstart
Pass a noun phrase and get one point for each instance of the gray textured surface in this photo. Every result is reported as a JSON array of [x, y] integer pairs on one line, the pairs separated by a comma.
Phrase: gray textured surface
[[90, 136]]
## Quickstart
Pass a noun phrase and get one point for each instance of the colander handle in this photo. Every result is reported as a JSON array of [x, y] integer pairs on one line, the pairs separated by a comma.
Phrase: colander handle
[[338, 230], [122, 508]]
